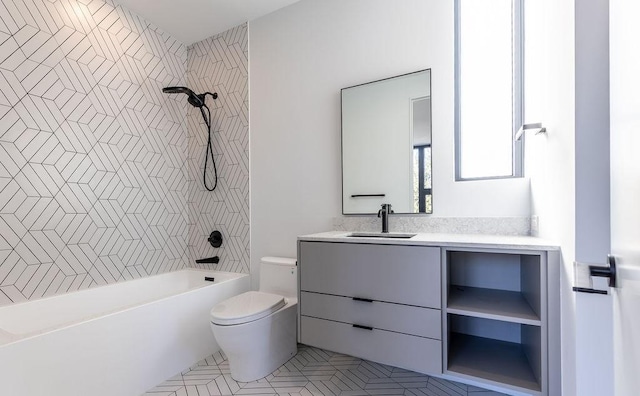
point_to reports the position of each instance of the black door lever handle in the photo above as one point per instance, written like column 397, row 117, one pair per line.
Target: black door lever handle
column 605, row 272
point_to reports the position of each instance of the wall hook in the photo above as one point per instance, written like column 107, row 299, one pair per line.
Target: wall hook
column 537, row 125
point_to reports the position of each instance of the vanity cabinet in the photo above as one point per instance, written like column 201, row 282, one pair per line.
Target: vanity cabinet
column 377, row 302
column 477, row 309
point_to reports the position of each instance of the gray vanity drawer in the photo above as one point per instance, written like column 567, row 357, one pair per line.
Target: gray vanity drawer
column 399, row 274
column 419, row 354
column 423, row 322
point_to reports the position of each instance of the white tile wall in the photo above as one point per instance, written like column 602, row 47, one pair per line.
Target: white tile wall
column 93, row 174
column 219, row 64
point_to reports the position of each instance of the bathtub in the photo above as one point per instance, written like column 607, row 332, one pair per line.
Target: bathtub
column 115, row 340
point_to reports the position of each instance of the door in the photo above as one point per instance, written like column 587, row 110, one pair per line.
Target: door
column 625, row 190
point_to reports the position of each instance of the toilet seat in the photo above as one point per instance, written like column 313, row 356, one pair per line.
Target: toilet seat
column 246, row 307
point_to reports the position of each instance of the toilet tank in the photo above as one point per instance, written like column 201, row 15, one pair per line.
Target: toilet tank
column 279, row 275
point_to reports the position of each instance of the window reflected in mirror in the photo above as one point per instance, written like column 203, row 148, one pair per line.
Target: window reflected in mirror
column 422, row 179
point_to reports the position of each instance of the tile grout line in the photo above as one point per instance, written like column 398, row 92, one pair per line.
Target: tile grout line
column 291, row 378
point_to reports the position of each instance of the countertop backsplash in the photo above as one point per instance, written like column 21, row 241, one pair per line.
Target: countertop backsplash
column 446, row 225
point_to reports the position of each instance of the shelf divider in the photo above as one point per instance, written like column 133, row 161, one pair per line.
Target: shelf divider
column 504, row 305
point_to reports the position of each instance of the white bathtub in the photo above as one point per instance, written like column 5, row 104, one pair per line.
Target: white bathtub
column 115, row 340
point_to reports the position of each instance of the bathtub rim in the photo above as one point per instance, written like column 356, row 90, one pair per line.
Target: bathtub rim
column 8, row 338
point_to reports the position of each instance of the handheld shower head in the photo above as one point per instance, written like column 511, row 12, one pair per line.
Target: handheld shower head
column 194, row 99
column 199, row 101
column 178, row 90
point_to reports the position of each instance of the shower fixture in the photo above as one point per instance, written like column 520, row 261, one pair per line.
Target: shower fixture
column 193, row 99
column 198, row 101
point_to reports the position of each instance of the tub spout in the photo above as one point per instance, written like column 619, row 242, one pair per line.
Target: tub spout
column 209, row 260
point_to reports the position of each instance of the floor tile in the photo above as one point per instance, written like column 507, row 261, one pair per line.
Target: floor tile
column 312, row 372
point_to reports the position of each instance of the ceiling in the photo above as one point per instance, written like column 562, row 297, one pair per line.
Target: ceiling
column 193, row 20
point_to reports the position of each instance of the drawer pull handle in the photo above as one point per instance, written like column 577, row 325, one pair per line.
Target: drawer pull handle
column 362, row 327
column 362, row 299
column 366, row 195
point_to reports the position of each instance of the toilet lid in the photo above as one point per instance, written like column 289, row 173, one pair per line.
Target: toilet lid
column 246, row 307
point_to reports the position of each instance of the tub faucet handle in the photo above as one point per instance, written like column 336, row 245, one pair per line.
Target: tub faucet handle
column 215, row 239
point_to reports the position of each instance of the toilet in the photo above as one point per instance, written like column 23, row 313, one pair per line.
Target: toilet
column 257, row 329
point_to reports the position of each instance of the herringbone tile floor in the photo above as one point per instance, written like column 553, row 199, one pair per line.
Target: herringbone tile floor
column 312, row 371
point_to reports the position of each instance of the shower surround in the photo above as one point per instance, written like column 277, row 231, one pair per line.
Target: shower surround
column 219, row 64
column 94, row 178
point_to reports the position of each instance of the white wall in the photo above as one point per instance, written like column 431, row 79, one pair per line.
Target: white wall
column 300, row 58
column 551, row 159
column 625, row 190
column 569, row 171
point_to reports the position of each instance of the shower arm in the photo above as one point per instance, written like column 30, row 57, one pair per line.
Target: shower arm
column 202, row 97
column 214, row 95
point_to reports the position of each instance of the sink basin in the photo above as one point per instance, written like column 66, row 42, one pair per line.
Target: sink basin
column 380, row 235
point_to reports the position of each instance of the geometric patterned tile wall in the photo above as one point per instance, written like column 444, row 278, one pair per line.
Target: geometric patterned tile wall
column 220, row 64
column 93, row 176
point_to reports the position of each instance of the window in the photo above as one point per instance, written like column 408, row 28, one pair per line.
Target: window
column 422, row 179
column 488, row 88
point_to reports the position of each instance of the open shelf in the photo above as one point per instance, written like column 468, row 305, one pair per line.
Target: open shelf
column 503, row 305
column 494, row 360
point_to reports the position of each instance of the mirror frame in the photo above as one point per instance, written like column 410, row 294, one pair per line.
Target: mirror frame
column 342, row 187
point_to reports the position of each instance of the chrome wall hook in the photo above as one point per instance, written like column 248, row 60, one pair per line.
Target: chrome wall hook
column 525, row 127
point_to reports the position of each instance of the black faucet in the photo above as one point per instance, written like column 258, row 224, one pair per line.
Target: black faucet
column 384, row 213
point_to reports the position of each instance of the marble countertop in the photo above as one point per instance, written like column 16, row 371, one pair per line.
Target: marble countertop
column 442, row 240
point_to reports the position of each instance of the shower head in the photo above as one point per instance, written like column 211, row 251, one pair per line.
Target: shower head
column 178, row 90
column 198, row 101
column 194, row 99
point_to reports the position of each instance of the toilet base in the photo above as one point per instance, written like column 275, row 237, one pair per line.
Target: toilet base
column 256, row 349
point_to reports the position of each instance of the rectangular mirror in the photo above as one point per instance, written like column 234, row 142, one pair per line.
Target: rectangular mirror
column 386, row 145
